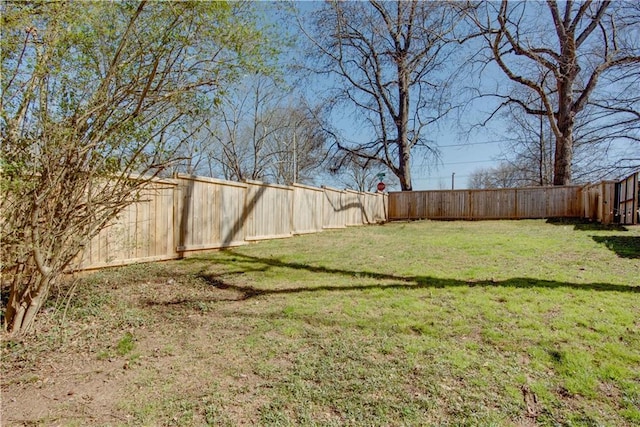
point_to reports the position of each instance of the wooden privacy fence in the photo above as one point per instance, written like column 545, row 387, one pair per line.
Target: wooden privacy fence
column 209, row 213
column 191, row 213
column 604, row 202
column 510, row 203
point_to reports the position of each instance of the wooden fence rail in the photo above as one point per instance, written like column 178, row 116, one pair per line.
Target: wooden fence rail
column 174, row 217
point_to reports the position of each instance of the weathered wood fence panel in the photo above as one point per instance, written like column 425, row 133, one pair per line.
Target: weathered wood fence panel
column 429, row 205
column 598, row 202
column 493, row 204
column 512, row 203
column 628, row 204
column 565, row 201
column 531, row 203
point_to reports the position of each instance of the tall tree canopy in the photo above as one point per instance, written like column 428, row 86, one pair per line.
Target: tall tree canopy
column 93, row 92
column 386, row 60
column 572, row 58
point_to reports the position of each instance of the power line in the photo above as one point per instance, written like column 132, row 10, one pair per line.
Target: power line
column 472, row 143
column 471, row 161
column 440, row 177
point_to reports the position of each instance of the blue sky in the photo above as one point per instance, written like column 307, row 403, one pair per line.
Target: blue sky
column 462, row 150
column 459, row 159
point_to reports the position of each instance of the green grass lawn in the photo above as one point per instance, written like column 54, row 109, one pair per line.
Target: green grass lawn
column 421, row 323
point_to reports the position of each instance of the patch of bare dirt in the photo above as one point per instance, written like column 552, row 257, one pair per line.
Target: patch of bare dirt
column 74, row 371
column 56, row 390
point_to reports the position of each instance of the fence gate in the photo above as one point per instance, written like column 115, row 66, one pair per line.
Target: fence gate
column 628, row 193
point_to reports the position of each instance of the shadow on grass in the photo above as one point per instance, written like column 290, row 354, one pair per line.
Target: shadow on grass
column 580, row 224
column 623, row 246
column 245, row 292
column 596, row 226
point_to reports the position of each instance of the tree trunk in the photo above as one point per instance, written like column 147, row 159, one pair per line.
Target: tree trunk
column 562, row 163
column 24, row 318
column 402, row 126
column 26, row 300
column 564, row 137
column 565, row 117
column 405, row 169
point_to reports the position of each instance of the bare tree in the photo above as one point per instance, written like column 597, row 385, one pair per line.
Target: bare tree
column 502, row 176
column 527, row 153
column 387, row 60
column 96, row 99
column 263, row 132
column 297, row 146
column 598, row 148
column 365, row 176
column 237, row 140
column 563, row 53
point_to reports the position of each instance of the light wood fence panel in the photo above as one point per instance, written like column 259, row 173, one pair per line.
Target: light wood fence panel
column 375, row 208
column 232, row 215
column 307, row 208
column 382, row 210
column 334, row 210
column 193, row 213
column 209, row 213
column 353, row 205
column 369, row 208
column 268, row 211
column 143, row 231
column 520, row 203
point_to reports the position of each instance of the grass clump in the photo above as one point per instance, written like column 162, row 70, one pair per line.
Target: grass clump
column 125, row 345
